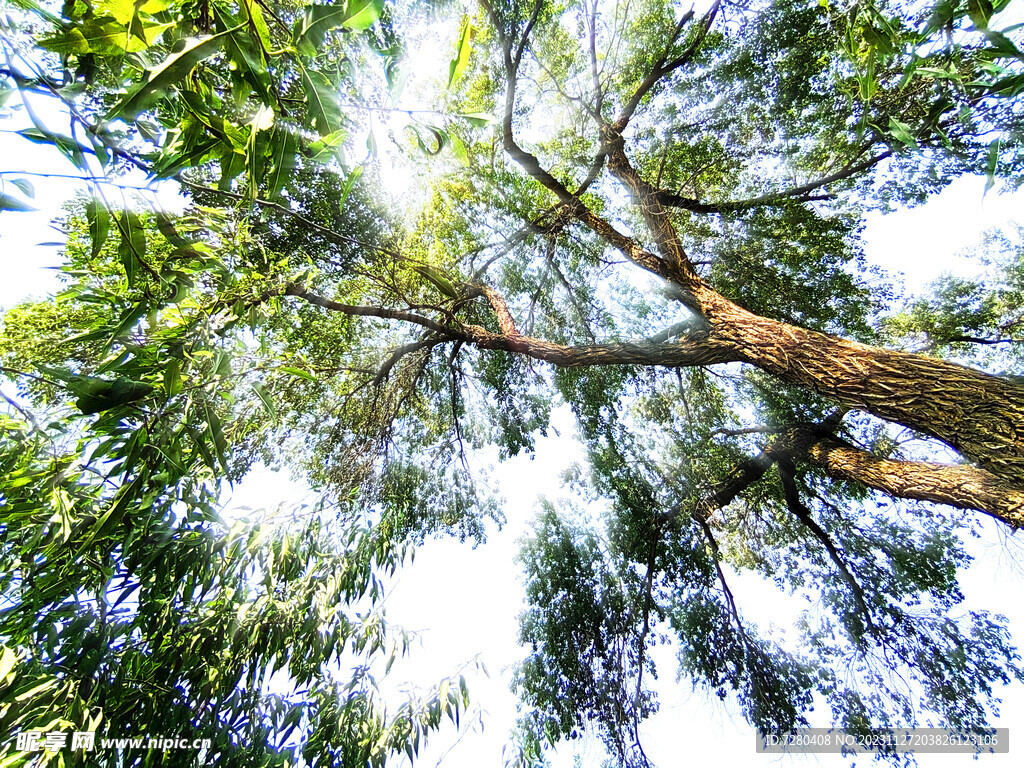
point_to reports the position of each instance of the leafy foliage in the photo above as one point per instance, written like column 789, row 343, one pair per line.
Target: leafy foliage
column 299, row 313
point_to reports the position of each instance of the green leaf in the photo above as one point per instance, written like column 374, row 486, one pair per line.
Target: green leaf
column 71, row 149
column 132, row 248
column 98, row 217
column 250, row 65
column 220, row 443
column 349, row 185
column 991, row 164
column 980, row 12
column 8, row 203
column 1002, row 45
column 362, row 14
column 265, row 398
column 172, row 378
column 321, row 102
column 102, row 394
column 174, row 68
column 121, row 10
column 298, row 372
column 182, row 247
column 283, row 147
column 462, row 51
column 317, row 21
column 901, row 131
column 459, row 150
column 440, row 137
column 329, row 146
column 255, row 16
column 25, row 186
column 1008, row 87
column 8, row 658
column 437, row 278
column 476, row 119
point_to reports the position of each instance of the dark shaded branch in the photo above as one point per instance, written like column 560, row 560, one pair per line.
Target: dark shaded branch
column 398, row 354
column 748, row 472
column 741, row 477
column 664, row 67
column 648, row 599
column 594, row 74
column 958, row 339
column 716, row 556
column 799, row 194
column 799, row 510
column 364, row 311
column 670, row 200
column 525, row 37
column 747, row 431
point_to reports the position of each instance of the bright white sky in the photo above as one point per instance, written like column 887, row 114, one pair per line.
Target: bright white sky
column 464, row 602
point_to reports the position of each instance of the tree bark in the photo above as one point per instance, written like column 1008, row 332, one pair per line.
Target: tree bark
column 979, row 415
column 957, row 485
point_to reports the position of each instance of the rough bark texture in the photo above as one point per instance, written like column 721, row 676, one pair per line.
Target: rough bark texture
column 957, row 485
column 978, row 415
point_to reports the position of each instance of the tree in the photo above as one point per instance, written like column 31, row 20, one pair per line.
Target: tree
column 690, row 181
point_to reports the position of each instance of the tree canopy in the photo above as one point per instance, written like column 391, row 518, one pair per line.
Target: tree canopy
column 644, row 211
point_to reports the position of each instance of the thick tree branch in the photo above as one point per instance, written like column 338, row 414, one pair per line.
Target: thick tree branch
column 674, row 265
column 698, row 348
column 957, row 485
column 497, row 302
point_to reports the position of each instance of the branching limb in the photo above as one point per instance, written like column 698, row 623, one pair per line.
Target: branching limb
column 529, row 163
column 664, row 67
column 803, row 514
column 364, row 311
column 801, row 193
column 698, row 348
column 398, row 354
column 957, row 485
column 500, row 307
column 674, row 264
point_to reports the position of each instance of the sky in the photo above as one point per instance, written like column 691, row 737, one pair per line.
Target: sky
column 463, row 602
